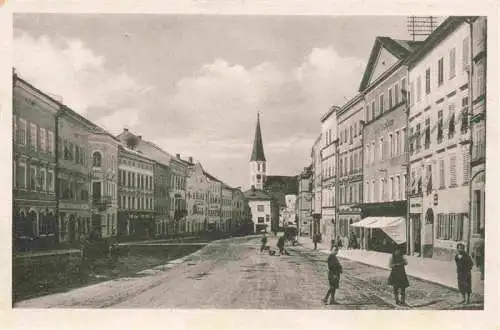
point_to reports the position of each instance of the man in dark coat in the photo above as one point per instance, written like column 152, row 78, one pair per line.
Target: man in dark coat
column 281, row 244
column 263, row 242
column 334, row 271
column 464, row 265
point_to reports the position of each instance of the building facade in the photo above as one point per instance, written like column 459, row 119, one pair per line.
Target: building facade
column 136, row 216
column 34, row 165
column 317, row 192
column 349, row 179
column 214, row 207
column 478, row 130
column 439, row 139
column 74, row 175
column 104, row 185
column 305, row 203
column 226, row 208
column 328, row 155
column 197, row 188
column 241, row 211
column 260, row 208
column 385, row 86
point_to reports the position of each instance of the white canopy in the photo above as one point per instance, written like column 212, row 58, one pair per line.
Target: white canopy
column 394, row 227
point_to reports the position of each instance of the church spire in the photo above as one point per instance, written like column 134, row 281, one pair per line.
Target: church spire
column 258, row 148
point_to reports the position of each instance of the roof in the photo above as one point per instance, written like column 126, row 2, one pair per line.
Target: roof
column 284, row 184
column 399, row 48
column 256, row 195
column 449, row 25
column 211, row 177
column 327, row 115
column 258, row 148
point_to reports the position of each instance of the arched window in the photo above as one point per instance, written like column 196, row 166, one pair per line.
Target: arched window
column 96, row 159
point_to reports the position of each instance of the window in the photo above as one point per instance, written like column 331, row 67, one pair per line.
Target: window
column 403, row 187
column 419, row 89
column 43, row 138
column 390, row 98
column 350, row 135
column 403, row 88
column 427, row 81
column 260, row 208
column 391, row 145
column 372, row 191
column 396, row 94
column 427, row 142
column 50, row 180
column 23, row 131
column 466, row 51
column 464, row 120
column 33, row 137
column 453, row 171
column 440, row 72
column 452, row 63
column 391, row 189
column 381, row 190
column 372, row 156
column 398, row 188
column 451, row 122
column 381, row 103
column 345, row 135
column 441, row 173
column 21, row 175
column 355, row 129
column 41, row 180
column 480, row 77
column 355, row 161
column 412, row 140
column 398, row 143
column 367, row 113
column 373, row 110
column 440, row 127
column 33, row 177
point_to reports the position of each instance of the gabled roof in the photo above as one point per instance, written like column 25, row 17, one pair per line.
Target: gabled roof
column 211, row 177
column 398, row 48
column 258, row 148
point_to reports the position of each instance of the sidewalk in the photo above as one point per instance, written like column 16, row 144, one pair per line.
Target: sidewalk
column 431, row 270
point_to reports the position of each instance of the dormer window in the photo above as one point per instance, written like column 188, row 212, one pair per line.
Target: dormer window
column 96, row 159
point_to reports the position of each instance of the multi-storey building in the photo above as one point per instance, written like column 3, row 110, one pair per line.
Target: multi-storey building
column 440, row 139
column 478, row 119
column 161, row 198
column 104, row 187
column 260, row 209
column 136, row 216
column 316, row 186
column 349, row 178
column 328, row 152
column 196, row 198
column 214, row 202
column 74, row 174
column 384, row 86
column 304, row 203
column 241, row 211
column 178, row 211
column 226, row 208
column 34, row 162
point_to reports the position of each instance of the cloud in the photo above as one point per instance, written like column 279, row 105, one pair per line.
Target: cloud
column 68, row 68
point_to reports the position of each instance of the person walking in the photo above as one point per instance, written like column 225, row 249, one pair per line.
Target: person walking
column 263, row 242
column 397, row 277
column 464, row 265
column 281, row 244
column 339, row 242
column 315, row 241
column 334, row 271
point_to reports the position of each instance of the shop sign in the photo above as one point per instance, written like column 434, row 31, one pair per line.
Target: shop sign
column 415, row 205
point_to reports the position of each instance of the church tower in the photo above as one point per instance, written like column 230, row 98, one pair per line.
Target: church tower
column 257, row 160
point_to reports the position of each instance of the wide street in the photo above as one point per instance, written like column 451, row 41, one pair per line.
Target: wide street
column 233, row 274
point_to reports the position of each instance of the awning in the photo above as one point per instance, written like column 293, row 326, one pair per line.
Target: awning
column 394, row 227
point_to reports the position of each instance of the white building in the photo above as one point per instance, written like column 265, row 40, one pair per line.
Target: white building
column 439, row 139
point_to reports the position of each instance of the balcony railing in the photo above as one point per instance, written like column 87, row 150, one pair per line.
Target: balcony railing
column 101, row 202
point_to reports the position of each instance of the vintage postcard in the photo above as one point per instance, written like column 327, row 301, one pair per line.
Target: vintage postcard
column 306, row 161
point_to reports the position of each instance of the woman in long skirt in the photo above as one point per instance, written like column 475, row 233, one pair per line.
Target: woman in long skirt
column 334, row 271
column 397, row 277
column 464, row 266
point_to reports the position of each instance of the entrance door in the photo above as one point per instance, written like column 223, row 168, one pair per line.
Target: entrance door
column 72, row 228
column 429, row 233
column 417, row 233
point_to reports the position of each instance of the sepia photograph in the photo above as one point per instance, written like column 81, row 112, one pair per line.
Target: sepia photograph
column 257, row 162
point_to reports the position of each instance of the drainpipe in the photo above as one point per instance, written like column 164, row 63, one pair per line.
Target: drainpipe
column 470, row 73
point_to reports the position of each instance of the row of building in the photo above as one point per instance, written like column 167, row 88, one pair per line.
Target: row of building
column 71, row 178
column 404, row 159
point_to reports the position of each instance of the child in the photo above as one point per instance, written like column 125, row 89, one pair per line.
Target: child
column 398, row 278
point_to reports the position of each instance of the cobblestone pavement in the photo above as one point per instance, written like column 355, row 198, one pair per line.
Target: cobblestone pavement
column 233, row 274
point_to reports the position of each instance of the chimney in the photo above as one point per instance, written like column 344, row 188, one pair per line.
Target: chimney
column 178, row 156
column 190, row 159
column 125, row 130
column 139, row 139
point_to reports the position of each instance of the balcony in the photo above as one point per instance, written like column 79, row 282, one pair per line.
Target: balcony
column 101, row 203
column 478, row 152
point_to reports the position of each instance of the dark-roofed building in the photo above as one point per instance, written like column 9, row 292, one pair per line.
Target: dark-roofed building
column 278, row 187
column 260, row 208
column 382, row 165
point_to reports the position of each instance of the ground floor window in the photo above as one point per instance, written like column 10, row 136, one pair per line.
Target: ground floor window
column 450, row 226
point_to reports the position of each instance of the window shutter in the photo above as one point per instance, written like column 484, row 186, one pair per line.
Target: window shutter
column 466, row 165
column 453, row 172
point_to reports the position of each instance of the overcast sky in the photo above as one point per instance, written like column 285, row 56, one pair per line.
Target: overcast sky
column 194, row 84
